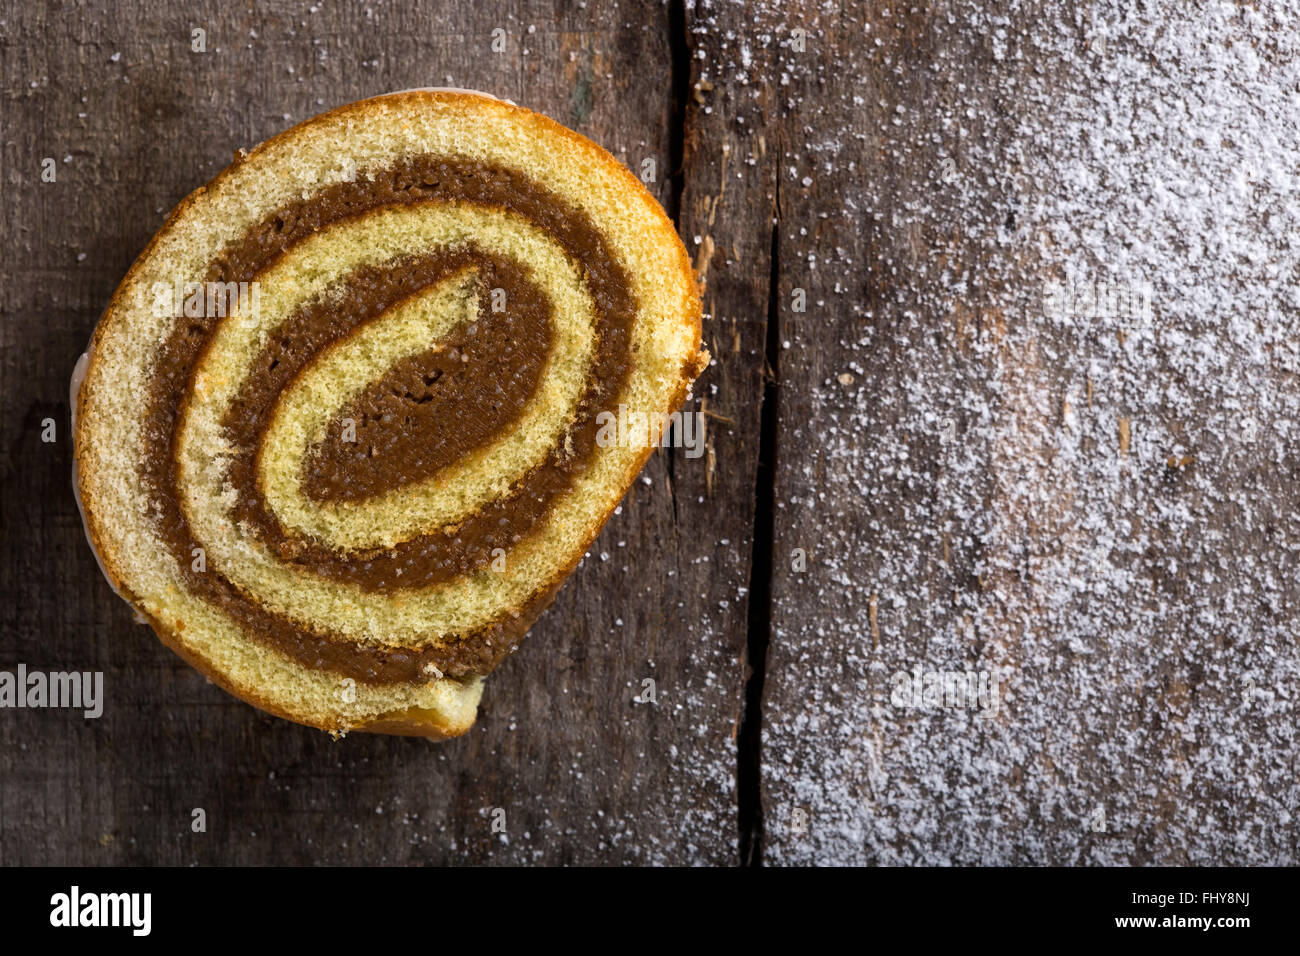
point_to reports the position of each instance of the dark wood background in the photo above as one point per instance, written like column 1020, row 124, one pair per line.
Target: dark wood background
column 753, row 751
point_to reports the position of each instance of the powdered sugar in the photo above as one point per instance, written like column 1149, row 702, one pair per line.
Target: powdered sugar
column 1096, row 508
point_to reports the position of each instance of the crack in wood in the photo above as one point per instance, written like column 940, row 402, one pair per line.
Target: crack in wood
column 749, row 742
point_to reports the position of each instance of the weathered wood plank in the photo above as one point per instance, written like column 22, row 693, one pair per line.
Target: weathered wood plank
column 1097, row 512
column 726, row 219
column 1093, row 510
column 584, row 774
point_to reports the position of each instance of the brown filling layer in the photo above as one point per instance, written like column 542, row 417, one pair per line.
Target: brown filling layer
column 420, row 417
column 459, row 401
column 432, row 409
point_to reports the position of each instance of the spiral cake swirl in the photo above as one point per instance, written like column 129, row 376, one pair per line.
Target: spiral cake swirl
column 346, row 491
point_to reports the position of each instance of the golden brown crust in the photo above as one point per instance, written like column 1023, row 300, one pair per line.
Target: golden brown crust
column 424, row 723
column 412, row 721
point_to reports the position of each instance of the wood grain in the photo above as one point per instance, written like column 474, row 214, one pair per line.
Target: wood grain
column 136, row 120
column 908, row 464
column 963, row 473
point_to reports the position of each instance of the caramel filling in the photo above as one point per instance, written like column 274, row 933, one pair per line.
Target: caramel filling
column 428, row 411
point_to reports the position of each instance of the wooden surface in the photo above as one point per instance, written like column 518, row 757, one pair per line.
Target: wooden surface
column 813, row 165
column 584, row 774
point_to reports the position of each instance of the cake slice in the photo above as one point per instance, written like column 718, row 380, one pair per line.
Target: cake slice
column 342, row 432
